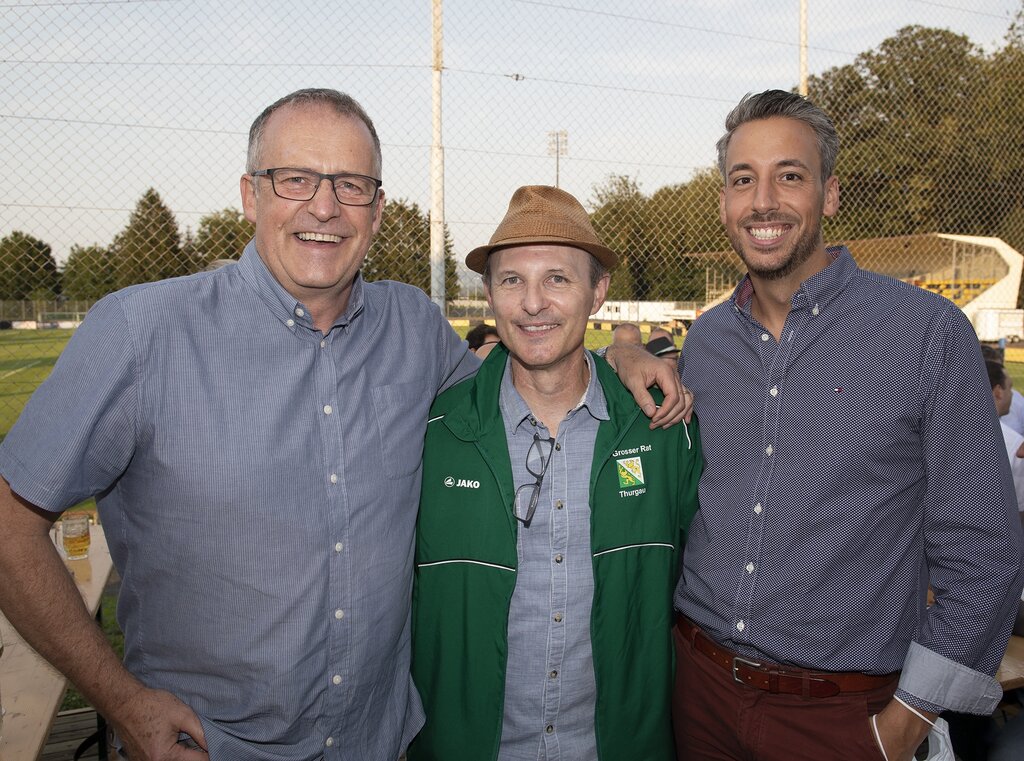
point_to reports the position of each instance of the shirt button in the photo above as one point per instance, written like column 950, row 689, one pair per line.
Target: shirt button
column 339, row 614
column 338, row 547
column 558, row 558
column 328, row 409
column 774, row 391
column 336, row 679
column 329, row 742
column 323, row 343
column 558, row 447
column 553, row 674
column 549, row 729
column 558, row 618
column 740, row 625
column 299, row 312
column 334, row 478
column 559, row 504
column 750, row 567
column 815, row 310
column 757, row 508
column 765, row 336
column 769, row 450
column 533, row 421
column 290, row 323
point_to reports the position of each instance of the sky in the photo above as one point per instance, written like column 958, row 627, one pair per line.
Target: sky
column 104, row 99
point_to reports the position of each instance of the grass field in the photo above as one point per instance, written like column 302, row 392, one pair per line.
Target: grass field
column 26, row 358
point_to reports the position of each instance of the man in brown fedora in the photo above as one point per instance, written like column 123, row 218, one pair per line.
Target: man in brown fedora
column 548, row 541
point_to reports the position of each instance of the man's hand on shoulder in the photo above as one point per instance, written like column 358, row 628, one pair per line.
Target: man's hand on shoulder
column 149, row 722
column 638, row 370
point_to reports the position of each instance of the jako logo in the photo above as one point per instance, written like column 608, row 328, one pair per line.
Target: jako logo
column 461, row 483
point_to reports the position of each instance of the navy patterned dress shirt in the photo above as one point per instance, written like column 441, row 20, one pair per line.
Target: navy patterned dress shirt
column 849, row 465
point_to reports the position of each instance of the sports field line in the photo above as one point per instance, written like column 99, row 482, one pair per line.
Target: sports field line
column 9, row 373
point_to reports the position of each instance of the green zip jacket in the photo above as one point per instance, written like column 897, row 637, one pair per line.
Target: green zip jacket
column 466, row 571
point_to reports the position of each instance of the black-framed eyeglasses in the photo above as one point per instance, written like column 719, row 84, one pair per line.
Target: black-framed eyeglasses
column 302, row 184
column 528, row 495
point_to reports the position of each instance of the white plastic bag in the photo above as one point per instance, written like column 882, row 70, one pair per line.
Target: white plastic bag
column 940, row 748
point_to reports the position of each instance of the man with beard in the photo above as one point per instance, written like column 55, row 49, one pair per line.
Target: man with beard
column 852, row 458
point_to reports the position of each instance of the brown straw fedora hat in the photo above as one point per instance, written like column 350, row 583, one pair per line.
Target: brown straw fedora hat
column 542, row 214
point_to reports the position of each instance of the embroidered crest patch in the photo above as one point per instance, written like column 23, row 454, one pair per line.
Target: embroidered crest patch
column 631, row 472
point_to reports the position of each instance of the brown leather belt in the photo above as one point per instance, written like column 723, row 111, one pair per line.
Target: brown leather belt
column 774, row 678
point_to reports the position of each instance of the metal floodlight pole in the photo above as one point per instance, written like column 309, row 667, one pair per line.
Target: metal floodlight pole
column 803, row 48
column 558, row 146
column 437, row 278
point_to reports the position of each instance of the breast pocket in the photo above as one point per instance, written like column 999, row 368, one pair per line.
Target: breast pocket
column 401, row 410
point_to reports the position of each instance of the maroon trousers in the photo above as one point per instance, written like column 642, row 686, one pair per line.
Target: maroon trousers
column 716, row 718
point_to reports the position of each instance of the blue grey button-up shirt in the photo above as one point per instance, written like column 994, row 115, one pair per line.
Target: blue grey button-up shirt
column 847, row 466
column 258, row 481
column 550, row 690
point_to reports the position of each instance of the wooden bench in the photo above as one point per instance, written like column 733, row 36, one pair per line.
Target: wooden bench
column 30, row 687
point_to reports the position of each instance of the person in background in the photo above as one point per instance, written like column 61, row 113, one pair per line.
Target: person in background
column 626, row 333
column 657, row 332
column 256, row 461
column 1014, row 416
column 482, row 339
column 1002, row 393
column 548, row 542
column 850, row 445
column 664, row 348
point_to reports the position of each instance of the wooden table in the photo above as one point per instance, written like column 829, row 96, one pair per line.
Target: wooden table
column 1011, row 670
column 31, row 688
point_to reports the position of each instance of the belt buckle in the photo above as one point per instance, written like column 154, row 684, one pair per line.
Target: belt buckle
column 736, row 661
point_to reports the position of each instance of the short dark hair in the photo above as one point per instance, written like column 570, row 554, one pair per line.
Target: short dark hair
column 996, row 373
column 342, row 104
column 764, row 105
column 477, row 336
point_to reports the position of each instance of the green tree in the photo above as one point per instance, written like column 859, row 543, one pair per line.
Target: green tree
column 149, row 247
column 27, row 268
column 915, row 156
column 1003, row 100
column 401, row 249
column 221, row 235
column 684, row 222
column 88, row 273
column 620, row 220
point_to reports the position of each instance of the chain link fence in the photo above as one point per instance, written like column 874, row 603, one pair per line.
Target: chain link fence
column 125, row 122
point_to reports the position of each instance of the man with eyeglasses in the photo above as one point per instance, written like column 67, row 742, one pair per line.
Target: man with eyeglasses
column 257, row 464
column 552, row 521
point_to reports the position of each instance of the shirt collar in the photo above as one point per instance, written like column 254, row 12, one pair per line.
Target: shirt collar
column 516, row 413
column 286, row 307
column 817, row 290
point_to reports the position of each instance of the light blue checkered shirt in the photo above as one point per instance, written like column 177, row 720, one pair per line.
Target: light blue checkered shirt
column 549, row 679
column 259, row 484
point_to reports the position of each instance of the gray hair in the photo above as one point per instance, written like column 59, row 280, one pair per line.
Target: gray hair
column 764, row 105
column 342, row 104
column 597, row 270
